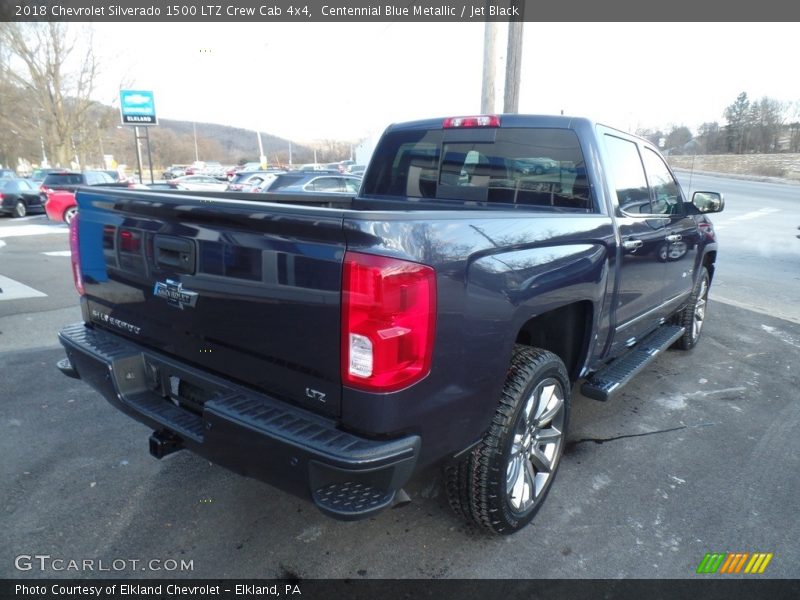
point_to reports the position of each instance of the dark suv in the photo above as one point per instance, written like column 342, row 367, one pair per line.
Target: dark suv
column 70, row 180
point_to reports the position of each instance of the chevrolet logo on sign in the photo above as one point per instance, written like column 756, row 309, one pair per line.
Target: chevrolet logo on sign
column 174, row 294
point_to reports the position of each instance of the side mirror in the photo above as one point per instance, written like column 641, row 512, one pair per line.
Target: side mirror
column 708, row 202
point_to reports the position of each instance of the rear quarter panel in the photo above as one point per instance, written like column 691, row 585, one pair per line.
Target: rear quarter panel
column 494, row 273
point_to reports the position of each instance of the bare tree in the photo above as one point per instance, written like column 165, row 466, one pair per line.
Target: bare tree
column 767, row 118
column 711, row 138
column 678, row 137
column 57, row 76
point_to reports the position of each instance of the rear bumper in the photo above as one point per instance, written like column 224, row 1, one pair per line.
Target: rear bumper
column 346, row 476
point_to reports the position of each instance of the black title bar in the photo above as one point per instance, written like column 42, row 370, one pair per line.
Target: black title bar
column 705, row 587
column 338, row 11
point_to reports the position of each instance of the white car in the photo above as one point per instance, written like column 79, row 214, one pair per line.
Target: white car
column 198, row 183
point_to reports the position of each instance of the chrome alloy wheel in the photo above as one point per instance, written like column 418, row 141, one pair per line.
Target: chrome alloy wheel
column 536, row 446
column 700, row 309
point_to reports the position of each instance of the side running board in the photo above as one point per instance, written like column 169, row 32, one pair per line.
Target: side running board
column 606, row 381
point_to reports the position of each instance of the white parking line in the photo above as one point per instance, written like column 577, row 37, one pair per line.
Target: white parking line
column 755, row 214
column 58, row 253
column 25, row 230
column 761, row 212
column 14, row 290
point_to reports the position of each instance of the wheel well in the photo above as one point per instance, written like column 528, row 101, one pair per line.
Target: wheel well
column 563, row 331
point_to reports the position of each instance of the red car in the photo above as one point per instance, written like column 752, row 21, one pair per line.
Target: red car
column 60, row 206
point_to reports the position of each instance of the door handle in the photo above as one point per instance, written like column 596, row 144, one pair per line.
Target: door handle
column 674, row 237
column 632, row 244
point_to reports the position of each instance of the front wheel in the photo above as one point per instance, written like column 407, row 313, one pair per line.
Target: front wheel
column 693, row 315
column 503, row 482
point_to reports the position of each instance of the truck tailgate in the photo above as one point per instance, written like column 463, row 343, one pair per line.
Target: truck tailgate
column 249, row 291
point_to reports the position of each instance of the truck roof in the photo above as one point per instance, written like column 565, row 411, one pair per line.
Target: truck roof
column 506, row 120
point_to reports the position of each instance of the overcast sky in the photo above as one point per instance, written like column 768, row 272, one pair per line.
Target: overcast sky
column 315, row 81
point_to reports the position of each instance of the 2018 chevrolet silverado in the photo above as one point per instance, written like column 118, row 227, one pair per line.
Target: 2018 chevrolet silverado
column 334, row 346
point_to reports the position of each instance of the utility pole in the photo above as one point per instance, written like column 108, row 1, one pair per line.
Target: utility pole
column 487, row 91
column 261, row 158
column 194, row 128
column 513, row 65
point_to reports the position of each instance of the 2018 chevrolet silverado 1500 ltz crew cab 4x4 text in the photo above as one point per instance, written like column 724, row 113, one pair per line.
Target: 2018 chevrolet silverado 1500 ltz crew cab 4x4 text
column 334, row 346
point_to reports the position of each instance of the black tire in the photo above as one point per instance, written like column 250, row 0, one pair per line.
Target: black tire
column 20, row 210
column 503, row 482
column 70, row 213
column 457, row 485
column 693, row 315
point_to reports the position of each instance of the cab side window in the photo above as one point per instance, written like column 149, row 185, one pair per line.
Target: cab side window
column 667, row 196
column 629, row 179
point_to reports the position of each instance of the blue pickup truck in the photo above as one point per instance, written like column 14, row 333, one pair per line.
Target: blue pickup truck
column 334, row 346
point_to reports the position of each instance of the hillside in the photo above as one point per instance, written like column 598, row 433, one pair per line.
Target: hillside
column 232, row 144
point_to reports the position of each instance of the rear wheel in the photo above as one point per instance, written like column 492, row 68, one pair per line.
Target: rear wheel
column 20, row 210
column 502, row 483
column 693, row 316
column 69, row 214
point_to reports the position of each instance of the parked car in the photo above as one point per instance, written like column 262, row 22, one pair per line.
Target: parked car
column 216, row 170
column 8, row 174
column 70, row 180
column 315, row 181
column 356, row 170
column 61, row 206
column 18, row 196
column 117, row 176
column 534, row 165
column 58, row 197
column 38, row 175
column 198, row 183
column 251, row 181
column 174, row 171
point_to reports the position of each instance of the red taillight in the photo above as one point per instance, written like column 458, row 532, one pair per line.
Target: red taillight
column 474, row 121
column 388, row 322
column 75, row 251
column 706, row 229
column 130, row 241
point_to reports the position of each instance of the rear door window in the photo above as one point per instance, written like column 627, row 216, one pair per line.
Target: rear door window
column 539, row 168
column 667, row 197
column 628, row 172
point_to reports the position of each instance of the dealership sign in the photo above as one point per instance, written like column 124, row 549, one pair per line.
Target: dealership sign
column 137, row 107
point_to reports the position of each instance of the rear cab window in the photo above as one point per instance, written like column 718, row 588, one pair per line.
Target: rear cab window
column 63, row 179
column 528, row 168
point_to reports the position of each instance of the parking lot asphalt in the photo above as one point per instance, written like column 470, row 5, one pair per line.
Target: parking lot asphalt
column 698, row 454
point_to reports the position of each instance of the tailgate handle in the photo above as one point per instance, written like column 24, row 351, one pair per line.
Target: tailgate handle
column 175, row 253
